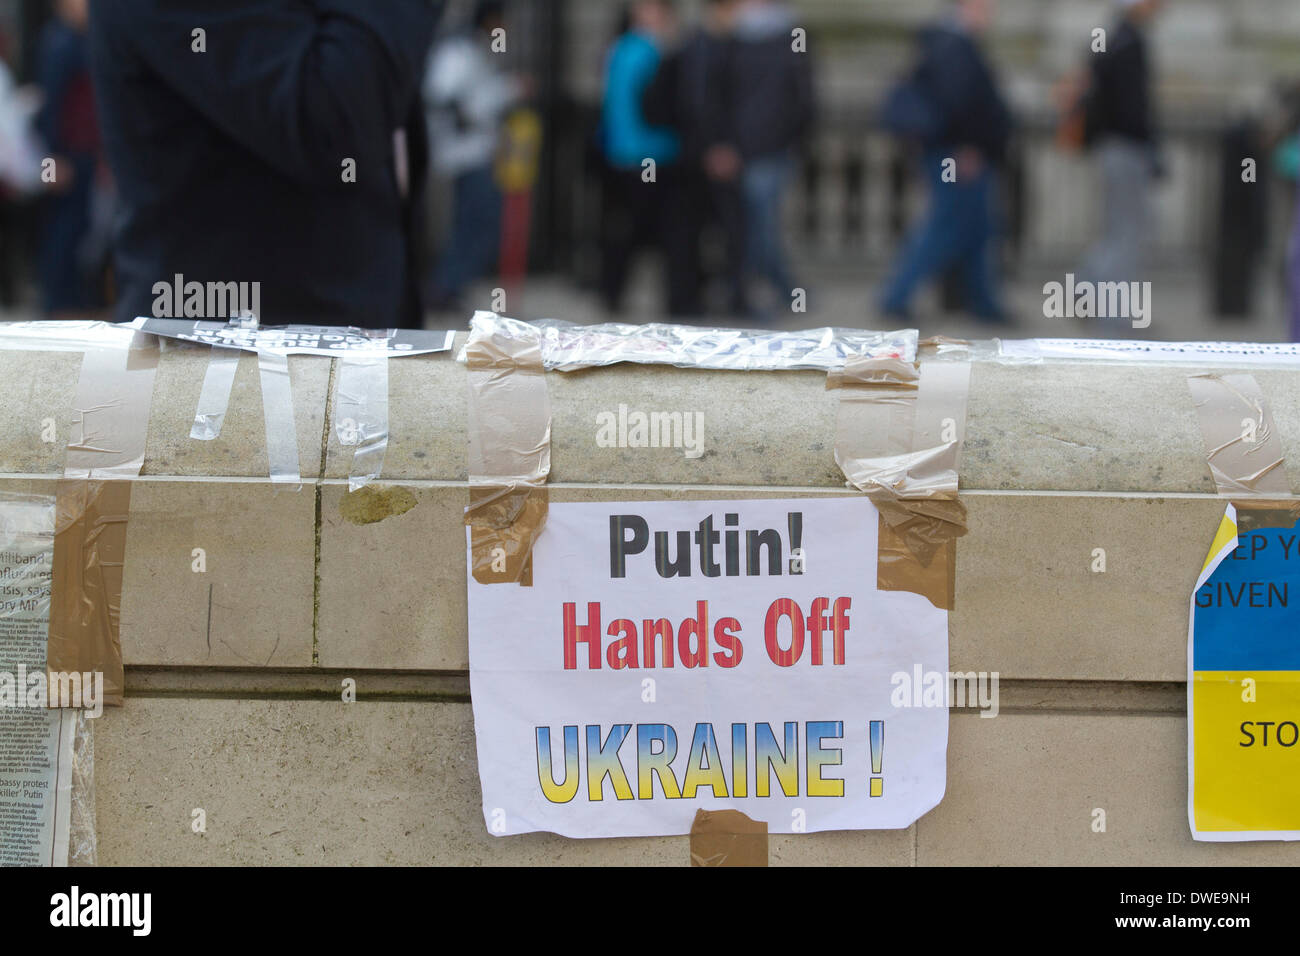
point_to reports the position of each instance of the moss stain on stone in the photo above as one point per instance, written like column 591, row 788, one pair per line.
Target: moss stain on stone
column 370, row 505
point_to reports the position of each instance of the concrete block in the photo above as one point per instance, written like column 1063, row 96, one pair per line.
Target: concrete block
column 37, row 386
column 1030, row 606
column 286, row 782
column 252, row 607
column 1022, row 790
column 240, row 450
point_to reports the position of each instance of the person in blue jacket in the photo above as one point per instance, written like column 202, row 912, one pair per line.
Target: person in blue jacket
column 642, row 182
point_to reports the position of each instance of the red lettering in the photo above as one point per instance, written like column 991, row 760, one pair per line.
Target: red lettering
column 784, row 607
column 575, row 634
column 728, row 641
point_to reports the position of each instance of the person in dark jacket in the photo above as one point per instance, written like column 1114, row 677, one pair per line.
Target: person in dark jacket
column 773, row 113
column 1121, row 129
column 66, row 124
column 961, row 161
column 268, row 141
column 694, row 94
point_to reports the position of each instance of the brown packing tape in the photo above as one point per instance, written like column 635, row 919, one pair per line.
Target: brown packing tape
column 85, row 603
column 1242, row 445
column 898, row 568
column 727, row 838
column 1253, row 515
column 509, row 450
column 504, row 523
column 92, row 506
column 898, row 438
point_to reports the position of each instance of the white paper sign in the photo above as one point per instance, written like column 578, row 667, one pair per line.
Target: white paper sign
column 672, row 656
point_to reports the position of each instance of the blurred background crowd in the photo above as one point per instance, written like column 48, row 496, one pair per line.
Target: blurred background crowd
column 843, row 162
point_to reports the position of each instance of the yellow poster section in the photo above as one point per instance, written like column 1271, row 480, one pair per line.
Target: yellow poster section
column 1247, row 756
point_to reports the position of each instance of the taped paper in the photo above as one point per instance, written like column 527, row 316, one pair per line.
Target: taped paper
column 110, row 425
column 36, row 742
column 1241, row 442
column 727, row 838
column 1185, row 353
column 673, row 656
column 214, row 398
column 298, row 339
column 899, row 434
column 567, row 347
column 509, row 421
column 361, row 412
column 1243, row 681
column 277, row 409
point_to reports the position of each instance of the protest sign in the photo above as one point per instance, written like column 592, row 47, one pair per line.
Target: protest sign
column 1243, row 685
column 684, row 655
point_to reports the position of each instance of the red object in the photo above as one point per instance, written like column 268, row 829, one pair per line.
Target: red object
column 516, row 221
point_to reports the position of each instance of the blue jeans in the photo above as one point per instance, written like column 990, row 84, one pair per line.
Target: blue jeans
column 764, row 183
column 959, row 230
column 474, row 245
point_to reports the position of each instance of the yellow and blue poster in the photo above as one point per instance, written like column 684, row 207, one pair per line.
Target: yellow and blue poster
column 1243, row 685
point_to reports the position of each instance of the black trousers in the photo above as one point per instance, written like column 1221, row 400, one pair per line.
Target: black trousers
column 639, row 215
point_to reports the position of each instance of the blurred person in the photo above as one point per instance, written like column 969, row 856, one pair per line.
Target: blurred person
column 20, row 170
column 468, row 95
column 1286, row 161
column 272, row 141
column 773, row 113
column 1120, row 127
column 637, row 212
column 67, row 127
column 695, row 94
column 959, row 115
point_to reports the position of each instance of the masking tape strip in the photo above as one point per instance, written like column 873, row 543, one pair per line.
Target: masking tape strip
column 1242, row 445
column 214, row 398
column 509, row 419
column 92, row 504
column 277, row 409
column 361, row 413
column 899, row 433
column 727, row 838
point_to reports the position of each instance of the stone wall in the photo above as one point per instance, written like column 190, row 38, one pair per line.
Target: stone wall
column 234, row 675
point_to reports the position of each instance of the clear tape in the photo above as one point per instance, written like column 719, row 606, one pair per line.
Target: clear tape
column 567, row 347
column 112, row 404
column 65, row 336
column 214, row 398
column 509, row 455
column 1242, row 445
column 898, row 438
column 361, row 413
column 277, row 409
column 83, row 842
